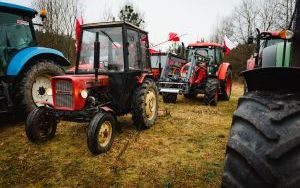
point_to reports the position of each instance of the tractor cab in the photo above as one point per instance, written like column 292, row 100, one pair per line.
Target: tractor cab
column 117, row 50
column 213, row 51
column 16, row 31
column 267, row 41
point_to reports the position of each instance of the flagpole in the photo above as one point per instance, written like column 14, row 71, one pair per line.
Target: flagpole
column 167, row 41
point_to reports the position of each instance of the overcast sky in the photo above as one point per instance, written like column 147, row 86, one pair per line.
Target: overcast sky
column 196, row 18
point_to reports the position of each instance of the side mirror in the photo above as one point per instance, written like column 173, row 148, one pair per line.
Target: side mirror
column 250, row 40
column 43, row 14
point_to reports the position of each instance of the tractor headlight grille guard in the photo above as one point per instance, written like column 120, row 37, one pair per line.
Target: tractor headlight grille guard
column 64, row 94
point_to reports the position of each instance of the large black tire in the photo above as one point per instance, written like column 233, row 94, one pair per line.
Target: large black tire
column 145, row 105
column 264, row 144
column 211, row 92
column 24, row 88
column 226, row 86
column 169, row 97
column 107, row 122
column 40, row 126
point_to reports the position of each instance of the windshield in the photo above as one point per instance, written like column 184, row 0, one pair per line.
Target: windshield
column 155, row 59
column 111, row 50
column 270, row 42
column 15, row 34
column 206, row 52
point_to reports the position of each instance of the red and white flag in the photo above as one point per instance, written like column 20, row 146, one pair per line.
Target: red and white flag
column 174, row 37
column 228, row 45
column 79, row 22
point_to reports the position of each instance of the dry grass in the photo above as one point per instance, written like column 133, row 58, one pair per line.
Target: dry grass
column 183, row 149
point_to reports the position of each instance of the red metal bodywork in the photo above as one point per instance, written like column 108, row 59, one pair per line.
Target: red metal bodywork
column 143, row 76
column 79, row 83
column 222, row 71
column 199, row 73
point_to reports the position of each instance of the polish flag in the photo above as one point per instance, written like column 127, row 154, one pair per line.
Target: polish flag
column 228, row 45
column 78, row 23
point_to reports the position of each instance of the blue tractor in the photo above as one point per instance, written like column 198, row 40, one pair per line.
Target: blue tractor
column 25, row 68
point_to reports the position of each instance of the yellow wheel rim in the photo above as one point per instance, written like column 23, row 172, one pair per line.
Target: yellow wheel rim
column 105, row 134
column 150, row 104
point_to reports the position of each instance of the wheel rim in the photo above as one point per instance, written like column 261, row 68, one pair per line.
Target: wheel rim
column 39, row 88
column 105, row 134
column 228, row 86
column 150, row 104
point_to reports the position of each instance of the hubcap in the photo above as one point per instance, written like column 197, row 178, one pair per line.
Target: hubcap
column 105, row 134
column 39, row 87
column 150, row 104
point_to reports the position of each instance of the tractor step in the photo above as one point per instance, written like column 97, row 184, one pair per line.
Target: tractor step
column 170, row 90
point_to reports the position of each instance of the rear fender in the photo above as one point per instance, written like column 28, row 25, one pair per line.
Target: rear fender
column 221, row 73
column 24, row 57
column 143, row 77
column 273, row 79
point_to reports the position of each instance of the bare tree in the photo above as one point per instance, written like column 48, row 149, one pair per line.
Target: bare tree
column 285, row 13
column 268, row 14
column 224, row 27
column 107, row 14
column 59, row 27
column 245, row 19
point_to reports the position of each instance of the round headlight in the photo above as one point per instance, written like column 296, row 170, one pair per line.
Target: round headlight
column 84, row 93
column 49, row 91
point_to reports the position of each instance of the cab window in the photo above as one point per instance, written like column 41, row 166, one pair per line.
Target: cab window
column 133, row 50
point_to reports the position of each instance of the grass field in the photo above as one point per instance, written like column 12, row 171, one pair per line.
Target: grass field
column 185, row 148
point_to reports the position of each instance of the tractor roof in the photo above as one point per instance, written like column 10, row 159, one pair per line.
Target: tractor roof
column 111, row 24
column 205, row 44
column 17, row 9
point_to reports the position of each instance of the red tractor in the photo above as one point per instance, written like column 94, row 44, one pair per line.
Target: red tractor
column 112, row 78
column 204, row 73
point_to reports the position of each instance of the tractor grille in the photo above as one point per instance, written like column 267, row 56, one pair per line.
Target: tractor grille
column 64, row 97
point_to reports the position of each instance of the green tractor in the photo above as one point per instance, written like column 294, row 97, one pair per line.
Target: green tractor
column 263, row 149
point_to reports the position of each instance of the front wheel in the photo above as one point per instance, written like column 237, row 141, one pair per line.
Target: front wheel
column 263, row 149
column 145, row 105
column 101, row 133
column 211, row 92
column 40, row 125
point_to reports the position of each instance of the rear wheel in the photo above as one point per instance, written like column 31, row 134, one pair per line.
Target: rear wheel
column 145, row 105
column 40, row 125
column 211, row 92
column 169, row 97
column 226, row 86
column 101, row 133
column 264, row 143
column 33, row 87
